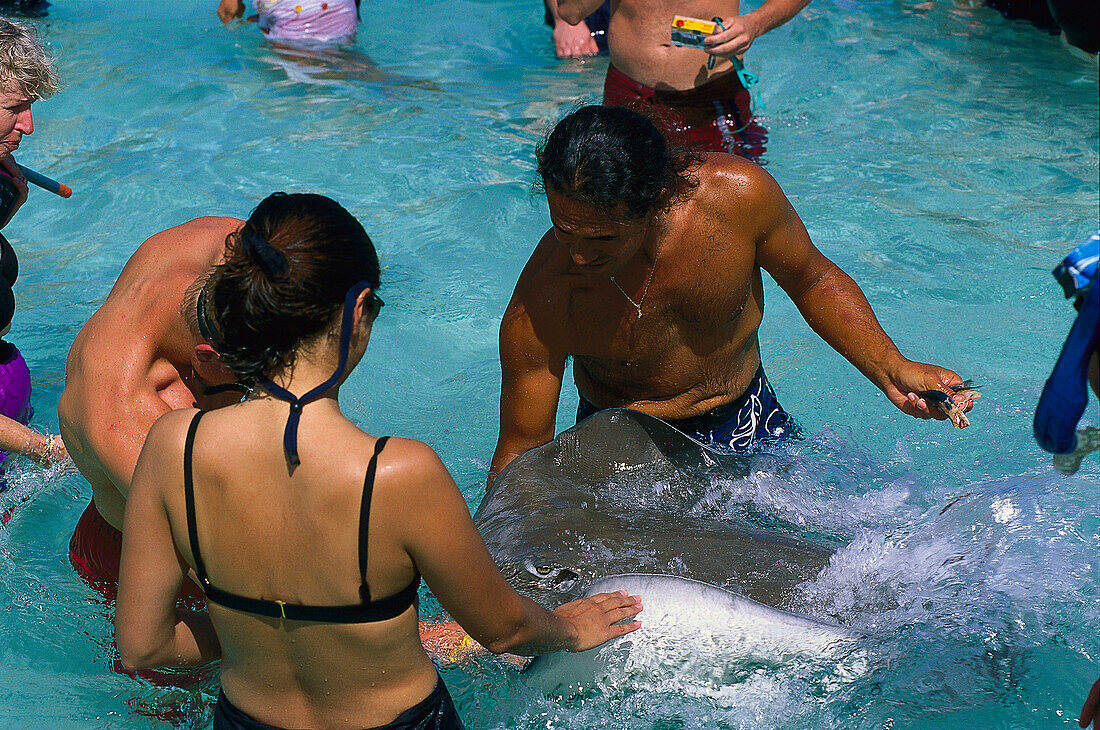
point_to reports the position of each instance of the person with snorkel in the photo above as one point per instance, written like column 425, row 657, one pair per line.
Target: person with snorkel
column 26, row 75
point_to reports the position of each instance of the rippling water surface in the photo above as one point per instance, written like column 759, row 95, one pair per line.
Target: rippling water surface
column 943, row 156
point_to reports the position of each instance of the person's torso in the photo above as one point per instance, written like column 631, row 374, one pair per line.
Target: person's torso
column 267, row 534
column 695, row 345
column 640, row 45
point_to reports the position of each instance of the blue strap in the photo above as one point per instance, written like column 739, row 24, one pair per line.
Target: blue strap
column 710, row 61
column 747, row 78
column 290, row 434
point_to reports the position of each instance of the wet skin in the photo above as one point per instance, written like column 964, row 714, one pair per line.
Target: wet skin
column 136, row 359
column 695, row 347
column 639, row 37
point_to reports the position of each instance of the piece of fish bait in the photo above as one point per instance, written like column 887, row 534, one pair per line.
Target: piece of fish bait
column 954, row 406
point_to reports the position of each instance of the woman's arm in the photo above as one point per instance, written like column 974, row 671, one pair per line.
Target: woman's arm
column 149, row 630
column 16, row 438
column 442, row 540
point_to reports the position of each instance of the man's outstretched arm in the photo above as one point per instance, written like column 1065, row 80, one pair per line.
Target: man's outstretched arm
column 530, row 386
column 836, row 308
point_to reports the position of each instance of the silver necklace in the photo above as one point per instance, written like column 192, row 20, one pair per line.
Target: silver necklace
column 645, row 290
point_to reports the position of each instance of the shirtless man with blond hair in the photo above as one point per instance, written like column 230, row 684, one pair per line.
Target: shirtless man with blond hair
column 650, row 279
column 138, row 357
column 702, row 87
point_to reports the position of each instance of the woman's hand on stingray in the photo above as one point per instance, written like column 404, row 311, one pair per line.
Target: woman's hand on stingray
column 595, row 620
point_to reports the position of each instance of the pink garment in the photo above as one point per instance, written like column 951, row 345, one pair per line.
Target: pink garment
column 307, row 20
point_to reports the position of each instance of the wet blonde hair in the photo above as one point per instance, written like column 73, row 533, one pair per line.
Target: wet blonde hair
column 24, row 61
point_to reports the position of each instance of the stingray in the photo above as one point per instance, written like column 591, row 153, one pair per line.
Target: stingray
column 690, row 631
column 621, row 492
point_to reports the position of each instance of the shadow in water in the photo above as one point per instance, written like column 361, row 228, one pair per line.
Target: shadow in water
column 328, row 65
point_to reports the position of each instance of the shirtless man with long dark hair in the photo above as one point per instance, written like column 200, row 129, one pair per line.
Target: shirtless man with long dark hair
column 650, row 279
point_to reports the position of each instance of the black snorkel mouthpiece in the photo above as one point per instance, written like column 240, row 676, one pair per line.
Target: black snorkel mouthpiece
column 290, row 434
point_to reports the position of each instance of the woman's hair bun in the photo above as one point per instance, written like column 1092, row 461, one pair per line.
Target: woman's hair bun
column 285, row 276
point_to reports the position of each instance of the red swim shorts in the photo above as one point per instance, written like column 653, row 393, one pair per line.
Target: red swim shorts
column 95, row 551
column 716, row 117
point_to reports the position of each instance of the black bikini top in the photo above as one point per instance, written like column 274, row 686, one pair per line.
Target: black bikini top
column 368, row 610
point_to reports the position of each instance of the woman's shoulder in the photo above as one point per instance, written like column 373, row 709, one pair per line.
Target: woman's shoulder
column 158, row 461
column 406, row 455
column 411, row 463
column 170, row 429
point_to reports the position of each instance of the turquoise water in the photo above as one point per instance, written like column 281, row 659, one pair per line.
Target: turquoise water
column 943, row 156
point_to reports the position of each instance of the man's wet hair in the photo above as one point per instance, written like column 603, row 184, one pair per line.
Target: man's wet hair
column 284, row 280
column 24, row 61
column 617, row 160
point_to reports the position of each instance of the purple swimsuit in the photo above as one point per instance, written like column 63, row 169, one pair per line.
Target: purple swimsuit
column 15, row 388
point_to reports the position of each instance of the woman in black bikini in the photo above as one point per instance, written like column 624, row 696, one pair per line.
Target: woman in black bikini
column 308, row 535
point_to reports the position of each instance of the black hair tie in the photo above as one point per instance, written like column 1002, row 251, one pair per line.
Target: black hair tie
column 271, row 260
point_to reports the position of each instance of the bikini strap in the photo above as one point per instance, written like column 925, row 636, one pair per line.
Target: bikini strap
column 189, row 498
column 290, row 433
column 364, row 516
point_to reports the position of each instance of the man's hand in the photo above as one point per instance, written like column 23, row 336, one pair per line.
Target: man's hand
column 595, row 620
column 909, row 378
column 573, row 41
column 12, row 170
column 739, row 34
column 230, row 10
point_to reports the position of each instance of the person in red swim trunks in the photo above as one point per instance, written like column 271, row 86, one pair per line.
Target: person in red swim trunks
column 701, row 87
column 139, row 356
